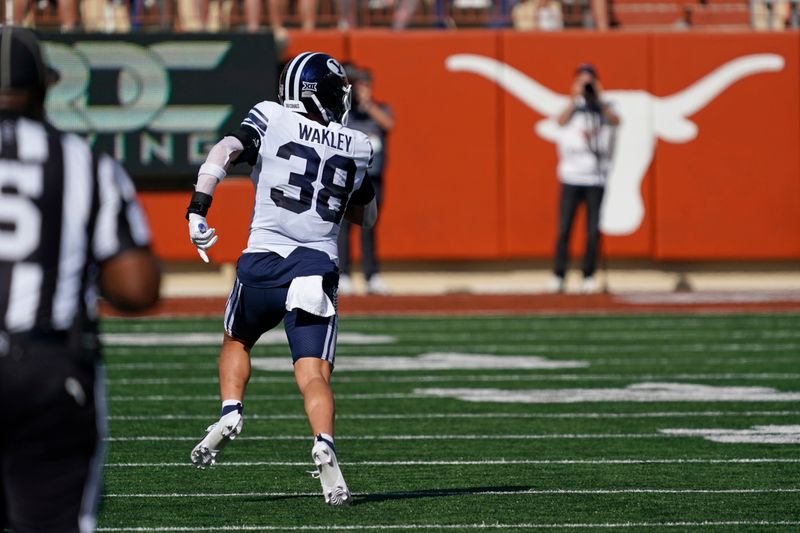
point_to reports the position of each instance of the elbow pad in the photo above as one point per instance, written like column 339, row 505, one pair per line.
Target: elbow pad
column 251, row 142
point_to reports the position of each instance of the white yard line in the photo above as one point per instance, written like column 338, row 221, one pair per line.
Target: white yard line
column 591, row 348
column 251, row 397
column 544, row 436
column 645, row 335
column 721, row 335
column 435, row 416
column 273, row 337
column 542, row 462
column 431, row 361
column 638, row 359
column 278, row 337
column 669, row 361
column 643, row 392
column 548, row 322
column 415, row 527
column 560, row 348
column 457, row 492
column 470, row 378
column 160, row 366
column 760, row 434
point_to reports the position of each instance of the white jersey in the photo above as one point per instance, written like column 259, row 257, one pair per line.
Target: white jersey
column 585, row 145
column 304, row 175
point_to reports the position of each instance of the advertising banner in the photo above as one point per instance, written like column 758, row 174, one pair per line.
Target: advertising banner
column 157, row 102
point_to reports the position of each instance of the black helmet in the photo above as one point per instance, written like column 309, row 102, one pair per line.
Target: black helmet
column 316, row 83
column 21, row 62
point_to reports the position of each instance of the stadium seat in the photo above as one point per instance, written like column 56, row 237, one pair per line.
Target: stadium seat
column 721, row 15
column 649, row 15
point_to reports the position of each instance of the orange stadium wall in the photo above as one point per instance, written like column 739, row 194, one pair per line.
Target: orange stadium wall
column 708, row 164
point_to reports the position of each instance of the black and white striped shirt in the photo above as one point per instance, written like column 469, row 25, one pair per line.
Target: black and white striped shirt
column 63, row 211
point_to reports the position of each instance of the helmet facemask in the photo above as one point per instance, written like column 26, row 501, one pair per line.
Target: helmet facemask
column 347, row 103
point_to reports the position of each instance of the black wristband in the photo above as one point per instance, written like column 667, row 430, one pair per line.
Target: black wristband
column 199, row 204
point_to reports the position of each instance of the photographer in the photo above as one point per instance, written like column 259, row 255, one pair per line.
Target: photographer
column 585, row 147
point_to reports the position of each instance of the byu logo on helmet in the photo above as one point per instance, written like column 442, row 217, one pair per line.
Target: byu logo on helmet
column 315, row 84
column 335, row 67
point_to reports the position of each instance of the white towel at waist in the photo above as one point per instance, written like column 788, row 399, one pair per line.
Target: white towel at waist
column 306, row 293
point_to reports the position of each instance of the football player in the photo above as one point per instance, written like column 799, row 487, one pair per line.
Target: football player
column 308, row 172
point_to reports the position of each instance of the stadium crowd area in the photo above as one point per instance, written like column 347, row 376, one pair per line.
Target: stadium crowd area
column 525, row 15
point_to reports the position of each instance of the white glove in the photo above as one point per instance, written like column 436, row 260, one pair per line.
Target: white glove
column 201, row 235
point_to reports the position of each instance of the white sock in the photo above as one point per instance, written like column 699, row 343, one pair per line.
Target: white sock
column 326, row 437
column 231, row 405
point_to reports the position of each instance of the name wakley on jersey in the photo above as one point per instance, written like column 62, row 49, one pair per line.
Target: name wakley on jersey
column 307, row 171
column 336, row 140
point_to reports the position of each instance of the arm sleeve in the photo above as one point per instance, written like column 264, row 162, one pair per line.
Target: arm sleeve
column 217, row 163
column 120, row 223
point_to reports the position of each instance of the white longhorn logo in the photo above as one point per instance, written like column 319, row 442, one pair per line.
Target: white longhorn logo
column 644, row 118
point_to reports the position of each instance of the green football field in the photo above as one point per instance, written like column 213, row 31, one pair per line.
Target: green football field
column 512, row 423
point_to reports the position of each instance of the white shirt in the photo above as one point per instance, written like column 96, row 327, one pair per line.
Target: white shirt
column 585, row 144
column 304, row 176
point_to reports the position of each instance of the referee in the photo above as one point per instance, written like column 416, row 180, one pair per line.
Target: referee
column 69, row 226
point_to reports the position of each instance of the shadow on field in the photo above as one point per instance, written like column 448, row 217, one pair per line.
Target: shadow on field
column 362, row 499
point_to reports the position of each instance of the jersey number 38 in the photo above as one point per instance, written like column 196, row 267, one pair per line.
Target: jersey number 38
column 330, row 211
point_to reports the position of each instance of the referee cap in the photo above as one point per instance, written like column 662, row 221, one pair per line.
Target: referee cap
column 21, row 63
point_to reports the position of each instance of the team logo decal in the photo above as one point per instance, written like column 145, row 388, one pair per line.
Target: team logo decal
column 644, row 119
column 335, row 67
column 310, row 86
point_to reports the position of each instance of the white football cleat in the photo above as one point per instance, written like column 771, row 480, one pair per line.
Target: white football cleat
column 333, row 486
column 218, row 435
